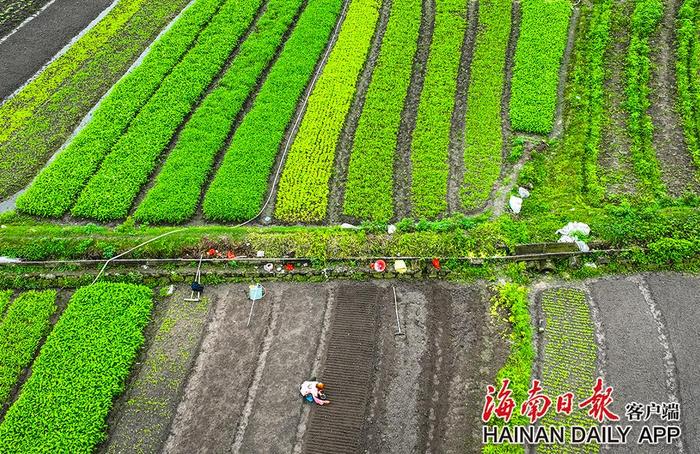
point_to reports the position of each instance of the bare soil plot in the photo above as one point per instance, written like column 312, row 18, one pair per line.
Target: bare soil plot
column 635, row 359
column 418, row 392
column 677, row 298
column 33, row 45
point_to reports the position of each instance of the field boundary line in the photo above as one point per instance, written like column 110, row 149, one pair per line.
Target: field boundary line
column 270, row 334
column 63, row 50
column 457, row 143
column 29, row 19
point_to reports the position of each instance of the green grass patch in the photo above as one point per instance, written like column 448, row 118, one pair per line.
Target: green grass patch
column 177, row 189
column 84, row 363
column 484, row 137
column 240, row 185
column 55, row 189
column 538, row 57
column 304, row 185
column 134, row 156
column 43, row 115
column 369, row 188
column 21, row 330
column 431, row 136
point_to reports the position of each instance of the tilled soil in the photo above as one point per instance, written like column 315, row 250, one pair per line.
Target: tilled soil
column 420, row 391
column 35, row 43
column 635, row 361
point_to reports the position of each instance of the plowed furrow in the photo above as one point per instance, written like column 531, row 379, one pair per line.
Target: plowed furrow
column 348, row 374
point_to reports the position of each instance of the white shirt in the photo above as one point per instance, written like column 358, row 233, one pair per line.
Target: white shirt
column 309, row 387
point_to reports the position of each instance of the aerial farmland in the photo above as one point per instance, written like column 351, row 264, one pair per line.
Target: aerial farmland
column 471, row 226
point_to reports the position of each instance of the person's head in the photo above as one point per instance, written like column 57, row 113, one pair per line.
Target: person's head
column 320, row 386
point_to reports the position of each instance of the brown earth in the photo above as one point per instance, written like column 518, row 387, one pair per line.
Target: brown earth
column 420, row 391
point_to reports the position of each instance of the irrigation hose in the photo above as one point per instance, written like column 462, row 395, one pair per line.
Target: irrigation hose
column 292, row 134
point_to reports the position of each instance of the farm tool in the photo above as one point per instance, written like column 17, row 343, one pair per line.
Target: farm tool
column 197, row 286
column 255, row 292
column 396, row 308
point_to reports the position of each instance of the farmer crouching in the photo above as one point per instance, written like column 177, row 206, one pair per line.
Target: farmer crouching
column 312, row 391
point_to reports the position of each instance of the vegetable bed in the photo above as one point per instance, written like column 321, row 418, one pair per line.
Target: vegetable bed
column 84, row 362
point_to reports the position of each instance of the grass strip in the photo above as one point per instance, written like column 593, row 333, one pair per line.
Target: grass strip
column 133, row 158
column 570, row 354
column 687, row 70
column 484, row 136
column 513, row 299
column 43, row 115
column 369, row 190
column 5, row 296
column 55, row 189
column 538, row 57
column 177, row 189
column 240, row 185
column 646, row 18
column 26, row 323
column 83, row 366
column 303, row 187
column 431, row 136
column 593, row 78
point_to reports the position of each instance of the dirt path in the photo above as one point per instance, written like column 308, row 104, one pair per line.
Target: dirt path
column 455, row 177
column 558, row 127
column 677, row 167
column 25, row 52
column 616, row 171
column 402, row 163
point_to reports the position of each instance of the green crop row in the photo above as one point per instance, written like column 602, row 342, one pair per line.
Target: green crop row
column 22, row 105
column 569, row 360
column 42, row 116
column 597, row 40
column 645, row 20
column 55, row 189
column 175, row 195
column 431, row 136
column 538, row 58
column 687, row 70
column 241, row 183
column 304, row 185
column 82, row 367
column 26, row 323
column 484, row 137
column 134, row 156
column 369, row 190
column 518, row 366
column 5, row 296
